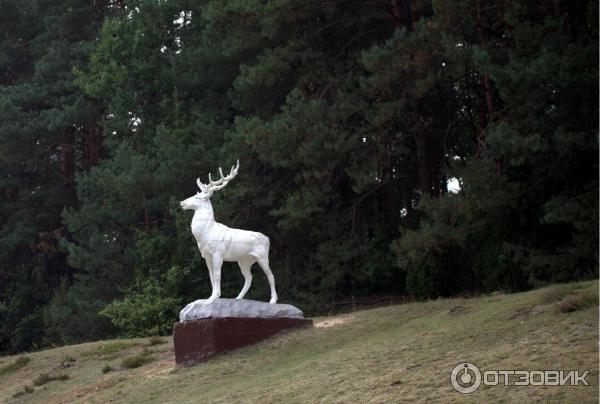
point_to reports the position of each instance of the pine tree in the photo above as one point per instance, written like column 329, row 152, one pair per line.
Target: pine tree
column 349, row 119
column 47, row 131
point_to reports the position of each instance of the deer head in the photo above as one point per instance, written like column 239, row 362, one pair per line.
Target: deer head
column 206, row 190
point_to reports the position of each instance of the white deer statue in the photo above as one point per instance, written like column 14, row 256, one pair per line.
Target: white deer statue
column 219, row 243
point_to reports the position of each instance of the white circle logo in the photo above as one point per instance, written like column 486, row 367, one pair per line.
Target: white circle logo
column 465, row 378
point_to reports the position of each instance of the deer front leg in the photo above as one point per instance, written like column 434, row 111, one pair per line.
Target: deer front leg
column 217, row 261
column 210, row 274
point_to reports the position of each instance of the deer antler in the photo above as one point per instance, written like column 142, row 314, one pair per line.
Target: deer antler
column 220, row 183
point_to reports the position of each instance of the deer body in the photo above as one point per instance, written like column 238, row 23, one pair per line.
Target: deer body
column 218, row 243
column 231, row 244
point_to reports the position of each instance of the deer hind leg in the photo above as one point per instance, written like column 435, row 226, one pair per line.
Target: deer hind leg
column 264, row 264
column 245, row 265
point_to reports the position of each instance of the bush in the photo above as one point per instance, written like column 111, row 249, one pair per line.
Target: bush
column 150, row 306
column 41, row 379
column 67, row 361
column 106, row 368
column 26, row 390
column 44, row 378
column 138, row 360
column 576, row 302
column 155, row 340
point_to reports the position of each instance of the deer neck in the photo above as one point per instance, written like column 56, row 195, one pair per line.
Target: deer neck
column 202, row 221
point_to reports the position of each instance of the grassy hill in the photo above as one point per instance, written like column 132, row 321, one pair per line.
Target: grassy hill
column 387, row 354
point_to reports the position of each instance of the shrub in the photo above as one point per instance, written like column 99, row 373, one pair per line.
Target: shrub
column 138, row 360
column 44, row 378
column 67, row 361
column 150, row 306
column 106, row 368
column 155, row 340
column 576, row 302
column 26, row 390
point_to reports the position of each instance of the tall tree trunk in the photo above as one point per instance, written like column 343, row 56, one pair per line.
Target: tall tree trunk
column 485, row 115
column 389, row 195
column 425, row 184
column 425, row 140
column 91, row 146
column 67, row 148
column 402, row 11
column 429, row 160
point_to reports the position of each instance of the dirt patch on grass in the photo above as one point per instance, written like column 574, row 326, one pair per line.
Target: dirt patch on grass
column 525, row 312
column 160, row 368
column 332, row 322
column 458, row 309
column 103, row 384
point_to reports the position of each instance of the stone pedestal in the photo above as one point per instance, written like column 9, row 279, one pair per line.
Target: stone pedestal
column 199, row 340
column 225, row 324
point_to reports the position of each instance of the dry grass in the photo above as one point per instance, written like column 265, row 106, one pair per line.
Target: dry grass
column 388, row 354
column 569, row 298
column 18, row 363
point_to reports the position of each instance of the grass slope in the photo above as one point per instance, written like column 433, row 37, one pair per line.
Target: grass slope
column 389, row 354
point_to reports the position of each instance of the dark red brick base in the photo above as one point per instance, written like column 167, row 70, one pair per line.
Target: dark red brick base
column 199, row 340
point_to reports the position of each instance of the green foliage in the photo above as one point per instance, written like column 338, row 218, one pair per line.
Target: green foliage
column 150, row 305
column 106, row 368
column 348, row 119
column 48, row 132
column 526, row 215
